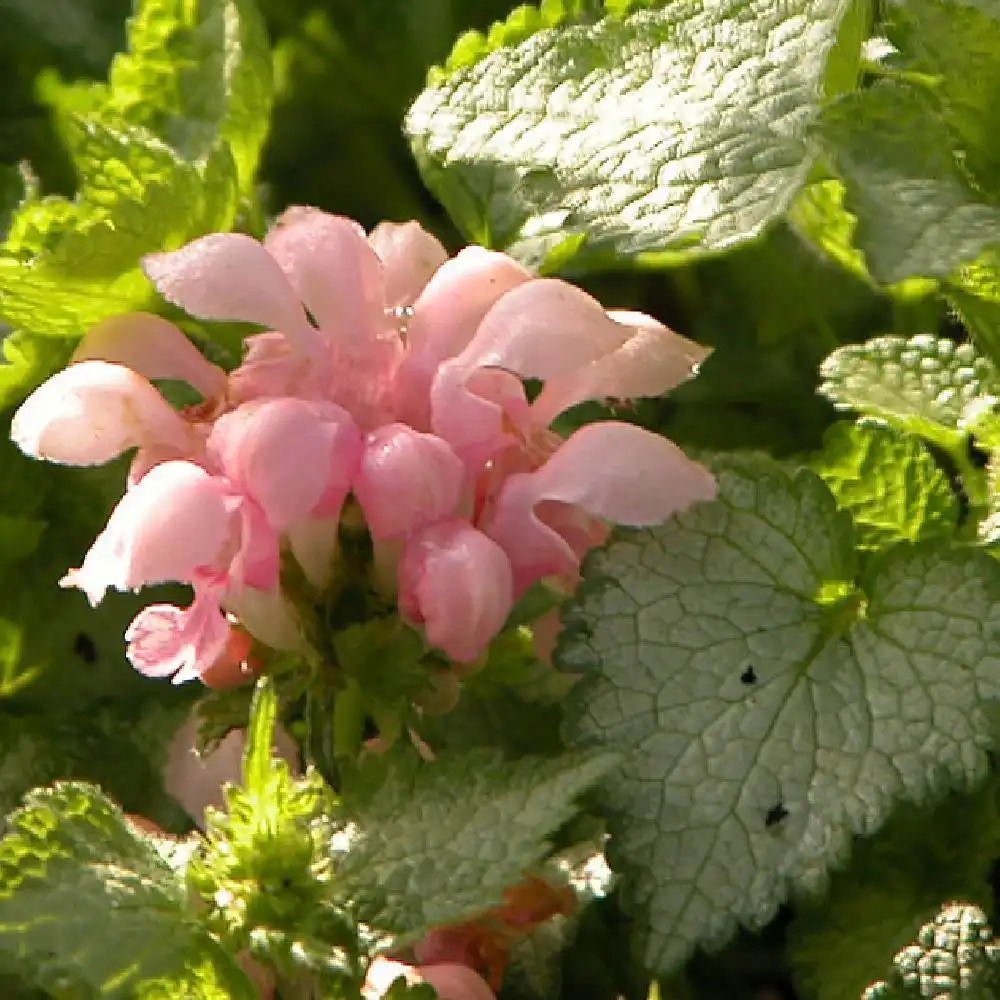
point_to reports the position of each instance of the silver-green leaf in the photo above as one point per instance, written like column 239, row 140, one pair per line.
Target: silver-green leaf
column 769, row 707
column 681, row 129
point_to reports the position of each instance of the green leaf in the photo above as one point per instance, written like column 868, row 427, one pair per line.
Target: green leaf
column 180, row 123
column 918, row 213
column 633, row 130
column 818, row 215
column 81, row 892
column 85, row 266
column 436, row 843
column 194, row 73
column 956, row 44
column 894, row 882
column 974, row 293
column 890, row 484
column 921, row 385
column 767, row 707
column 954, row 957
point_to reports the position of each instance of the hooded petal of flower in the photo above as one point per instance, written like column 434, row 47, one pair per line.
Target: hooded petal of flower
column 91, row 412
column 650, row 362
column 176, row 521
column 445, row 318
column 409, row 255
column 459, row 584
column 406, row 479
column 336, row 273
column 228, row 276
column 165, row 641
column 611, row 470
column 152, row 347
column 289, row 455
column 542, row 329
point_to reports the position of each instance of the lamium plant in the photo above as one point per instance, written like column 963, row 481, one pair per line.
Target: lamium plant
column 500, row 502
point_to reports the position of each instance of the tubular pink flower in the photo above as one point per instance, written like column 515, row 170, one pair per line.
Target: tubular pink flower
column 456, row 982
column 330, row 264
column 176, row 522
column 151, row 347
column 230, row 276
column 613, row 471
column 165, row 641
column 650, row 362
column 459, row 584
column 542, row 329
column 445, row 318
column 410, row 255
column 291, row 456
column 450, row 980
column 93, row 411
column 406, row 480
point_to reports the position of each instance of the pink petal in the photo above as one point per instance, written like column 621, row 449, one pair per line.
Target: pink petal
column 652, row 361
column 152, row 347
column 409, row 255
column 227, row 276
column 336, row 273
column 288, row 454
column 406, row 479
column 176, row 521
column 459, row 584
column 456, row 982
column 445, row 318
column 257, row 560
column 164, row 640
column 272, row 367
column 91, row 412
column 611, row 470
column 543, row 329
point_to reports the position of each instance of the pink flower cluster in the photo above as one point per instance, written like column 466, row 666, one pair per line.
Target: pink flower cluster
column 387, row 373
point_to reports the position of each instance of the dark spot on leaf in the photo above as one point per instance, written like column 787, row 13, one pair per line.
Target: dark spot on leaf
column 749, row 676
column 84, row 647
column 369, row 730
column 977, row 456
column 775, row 815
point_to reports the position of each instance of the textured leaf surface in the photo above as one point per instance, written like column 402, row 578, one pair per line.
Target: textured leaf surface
column 768, row 709
column 193, row 74
column 180, row 123
column 974, row 293
column 893, row 884
column 921, row 385
column 634, row 131
column 80, row 891
column 918, row 212
column 957, row 44
column 889, row 482
column 439, row 842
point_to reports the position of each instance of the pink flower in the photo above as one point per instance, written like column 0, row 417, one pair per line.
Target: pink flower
column 458, row 584
column 177, row 522
column 612, row 471
column 293, row 457
column 383, row 370
column 93, row 411
column 406, row 480
column 450, row 980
